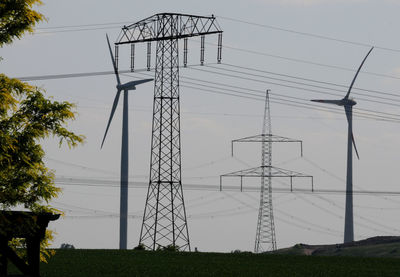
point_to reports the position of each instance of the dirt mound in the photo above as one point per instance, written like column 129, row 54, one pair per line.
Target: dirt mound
column 375, row 246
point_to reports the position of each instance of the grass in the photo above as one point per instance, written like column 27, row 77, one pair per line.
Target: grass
column 140, row 263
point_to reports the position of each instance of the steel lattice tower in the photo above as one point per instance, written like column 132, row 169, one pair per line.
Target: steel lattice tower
column 164, row 220
column 165, row 209
column 265, row 232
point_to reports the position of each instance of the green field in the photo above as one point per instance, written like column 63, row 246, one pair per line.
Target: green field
column 142, row 263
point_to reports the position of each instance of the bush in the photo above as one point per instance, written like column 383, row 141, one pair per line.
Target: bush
column 140, row 247
column 67, row 246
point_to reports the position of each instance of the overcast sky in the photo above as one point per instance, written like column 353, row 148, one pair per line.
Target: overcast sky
column 300, row 49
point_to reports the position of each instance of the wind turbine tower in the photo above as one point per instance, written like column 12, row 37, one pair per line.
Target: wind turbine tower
column 348, row 104
column 123, row 216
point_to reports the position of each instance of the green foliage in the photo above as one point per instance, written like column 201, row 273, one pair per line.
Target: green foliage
column 140, row 247
column 168, row 248
column 16, row 18
column 26, row 117
column 19, row 246
column 45, row 251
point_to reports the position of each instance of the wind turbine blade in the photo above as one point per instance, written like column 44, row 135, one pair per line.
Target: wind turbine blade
column 114, row 107
column 138, row 82
column 132, row 84
column 354, row 144
column 335, row 102
column 348, row 112
column 113, row 61
column 358, row 71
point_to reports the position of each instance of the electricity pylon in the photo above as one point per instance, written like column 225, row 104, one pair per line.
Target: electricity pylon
column 265, row 233
column 164, row 220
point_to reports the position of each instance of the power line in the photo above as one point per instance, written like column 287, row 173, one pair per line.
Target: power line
column 303, row 224
column 312, row 85
column 286, row 102
column 294, row 87
column 91, row 182
column 310, row 34
column 339, row 216
column 261, row 91
column 299, row 105
column 292, row 103
column 343, row 180
column 283, row 85
column 308, row 223
column 100, row 26
column 359, row 216
column 341, row 208
column 83, row 25
column 299, row 225
column 86, row 74
column 81, row 166
column 76, row 30
column 265, row 54
column 99, row 73
column 310, row 80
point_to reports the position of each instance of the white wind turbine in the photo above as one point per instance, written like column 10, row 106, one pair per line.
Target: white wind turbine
column 348, row 104
column 123, row 217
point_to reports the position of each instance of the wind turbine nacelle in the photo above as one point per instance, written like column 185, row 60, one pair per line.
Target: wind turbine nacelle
column 126, row 86
column 349, row 102
column 132, row 84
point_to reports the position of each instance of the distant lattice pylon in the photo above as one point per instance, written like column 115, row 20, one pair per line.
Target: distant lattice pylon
column 265, row 233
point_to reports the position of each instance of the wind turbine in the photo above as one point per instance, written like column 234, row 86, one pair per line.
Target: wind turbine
column 348, row 104
column 123, row 217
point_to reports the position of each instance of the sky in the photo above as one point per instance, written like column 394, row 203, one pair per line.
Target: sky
column 299, row 49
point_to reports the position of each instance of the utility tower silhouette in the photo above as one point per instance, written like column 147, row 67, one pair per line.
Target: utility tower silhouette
column 164, row 219
column 265, row 232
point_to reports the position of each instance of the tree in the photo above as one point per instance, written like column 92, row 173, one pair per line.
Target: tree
column 16, row 18
column 67, row 246
column 26, row 118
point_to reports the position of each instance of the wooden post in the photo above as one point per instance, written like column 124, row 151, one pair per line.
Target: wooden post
column 33, row 251
column 3, row 258
column 28, row 225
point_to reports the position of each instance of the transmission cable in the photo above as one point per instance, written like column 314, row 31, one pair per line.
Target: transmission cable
column 341, row 217
column 289, row 86
column 309, row 80
column 306, row 61
column 274, row 97
column 110, row 26
column 306, row 105
column 309, row 34
column 90, row 74
column 359, row 216
column 315, row 86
